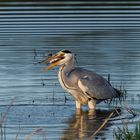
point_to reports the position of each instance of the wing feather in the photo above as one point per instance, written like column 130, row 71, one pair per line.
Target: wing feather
column 96, row 87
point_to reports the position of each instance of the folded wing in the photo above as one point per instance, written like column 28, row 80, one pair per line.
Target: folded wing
column 96, row 87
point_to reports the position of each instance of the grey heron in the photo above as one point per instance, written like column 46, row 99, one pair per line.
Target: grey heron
column 87, row 87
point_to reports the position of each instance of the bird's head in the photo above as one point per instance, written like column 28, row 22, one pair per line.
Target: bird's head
column 60, row 58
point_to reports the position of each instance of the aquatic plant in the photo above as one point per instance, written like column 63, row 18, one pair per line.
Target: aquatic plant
column 125, row 134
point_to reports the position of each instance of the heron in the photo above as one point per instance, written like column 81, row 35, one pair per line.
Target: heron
column 86, row 87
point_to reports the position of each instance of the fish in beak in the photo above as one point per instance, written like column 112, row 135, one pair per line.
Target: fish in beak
column 53, row 60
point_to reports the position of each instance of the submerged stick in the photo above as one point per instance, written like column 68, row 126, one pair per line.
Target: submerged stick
column 6, row 112
column 18, row 133
column 30, row 135
column 35, row 53
column 129, row 109
column 102, row 125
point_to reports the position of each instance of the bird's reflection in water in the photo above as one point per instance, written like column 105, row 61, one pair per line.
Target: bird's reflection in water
column 83, row 124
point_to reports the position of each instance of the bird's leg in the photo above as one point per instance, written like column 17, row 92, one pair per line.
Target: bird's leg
column 91, row 104
column 78, row 105
column 91, row 113
column 78, row 112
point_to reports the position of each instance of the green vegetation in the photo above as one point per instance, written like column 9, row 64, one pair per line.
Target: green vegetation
column 125, row 134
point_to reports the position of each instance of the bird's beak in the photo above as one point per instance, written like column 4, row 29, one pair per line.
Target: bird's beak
column 53, row 60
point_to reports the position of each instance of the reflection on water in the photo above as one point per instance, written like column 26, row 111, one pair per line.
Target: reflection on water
column 55, row 122
column 83, row 124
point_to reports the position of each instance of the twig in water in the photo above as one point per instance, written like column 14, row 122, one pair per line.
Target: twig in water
column 76, row 60
column 43, row 83
column 18, row 132
column 30, row 135
column 6, row 112
column 35, row 53
column 66, row 99
column 4, row 133
column 129, row 109
column 102, row 125
column 108, row 78
column 123, row 122
column 1, row 133
column 54, row 95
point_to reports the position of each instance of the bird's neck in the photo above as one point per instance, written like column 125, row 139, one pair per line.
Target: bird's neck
column 63, row 74
column 67, row 67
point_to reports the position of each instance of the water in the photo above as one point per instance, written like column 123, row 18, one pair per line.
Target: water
column 105, row 37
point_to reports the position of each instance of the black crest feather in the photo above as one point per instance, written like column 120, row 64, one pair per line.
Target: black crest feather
column 66, row 51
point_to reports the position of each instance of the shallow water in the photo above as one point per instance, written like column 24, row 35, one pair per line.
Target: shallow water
column 105, row 37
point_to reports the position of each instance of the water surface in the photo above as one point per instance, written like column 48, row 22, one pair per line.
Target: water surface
column 105, row 37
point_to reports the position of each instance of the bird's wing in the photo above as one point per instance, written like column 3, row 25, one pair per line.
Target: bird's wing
column 95, row 86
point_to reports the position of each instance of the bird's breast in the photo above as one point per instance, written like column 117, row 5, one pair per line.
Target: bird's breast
column 71, row 88
column 64, row 82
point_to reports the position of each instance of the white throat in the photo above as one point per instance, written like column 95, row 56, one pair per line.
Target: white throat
column 63, row 73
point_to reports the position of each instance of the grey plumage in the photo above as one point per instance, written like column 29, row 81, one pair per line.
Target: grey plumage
column 92, row 84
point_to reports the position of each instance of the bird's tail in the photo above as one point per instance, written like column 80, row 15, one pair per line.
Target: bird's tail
column 119, row 93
